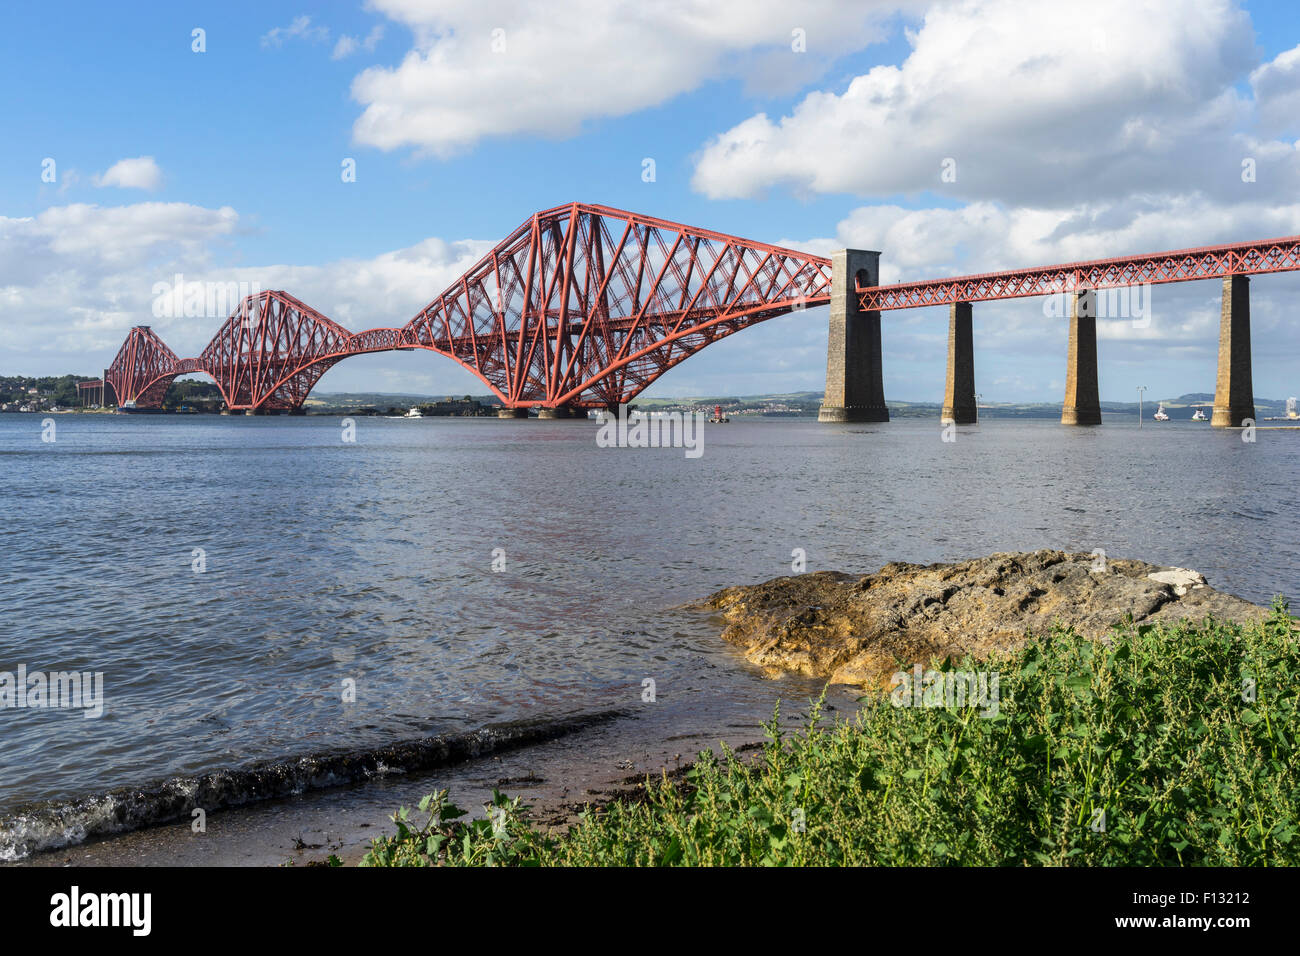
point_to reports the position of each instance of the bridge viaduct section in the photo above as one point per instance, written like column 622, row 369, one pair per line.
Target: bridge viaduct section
column 854, row 392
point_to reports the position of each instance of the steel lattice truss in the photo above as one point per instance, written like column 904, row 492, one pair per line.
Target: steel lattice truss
column 272, row 351
column 581, row 305
column 1183, row 265
column 143, row 369
column 587, row 305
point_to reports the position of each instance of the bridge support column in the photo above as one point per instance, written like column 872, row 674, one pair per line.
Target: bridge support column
column 512, row 413
column 855, row 388
column 556, row 411
column 959, row 393
column 1234, row 393
column 1082, row 404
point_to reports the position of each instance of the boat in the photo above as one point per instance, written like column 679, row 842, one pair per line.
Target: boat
column 129, row 408
column 1199, row 416
column 1161, row 415
column 718, row 418
column 413, row 413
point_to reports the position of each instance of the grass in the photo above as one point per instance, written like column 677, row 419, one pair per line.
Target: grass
column 1171, row 745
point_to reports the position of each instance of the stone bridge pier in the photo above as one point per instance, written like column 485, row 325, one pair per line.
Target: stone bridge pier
column 1082, row 404
column 959, row 391
column 855, row 389
column 1234, row 392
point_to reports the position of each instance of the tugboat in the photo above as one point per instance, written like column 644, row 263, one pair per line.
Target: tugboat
column 1161, row 415
column 718, row 418
column 1199, row 416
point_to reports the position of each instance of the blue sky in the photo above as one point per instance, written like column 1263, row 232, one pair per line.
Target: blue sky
column 1070, row 144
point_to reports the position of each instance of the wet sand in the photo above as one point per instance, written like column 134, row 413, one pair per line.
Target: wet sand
column 556, row 779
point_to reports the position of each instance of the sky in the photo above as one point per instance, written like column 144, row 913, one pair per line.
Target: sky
column 216, row 141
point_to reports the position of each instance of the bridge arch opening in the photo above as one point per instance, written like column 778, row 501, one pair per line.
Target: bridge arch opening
column 780, row 354
column 178, row 392
column 431, row 375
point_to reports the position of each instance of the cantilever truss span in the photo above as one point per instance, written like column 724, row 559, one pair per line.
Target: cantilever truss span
column 581, row 305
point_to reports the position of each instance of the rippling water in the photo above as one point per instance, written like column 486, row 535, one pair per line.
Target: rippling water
column 372, row 561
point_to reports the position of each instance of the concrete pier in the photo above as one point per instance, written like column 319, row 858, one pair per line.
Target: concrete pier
column 855, row 389
column 559, row 411
column 1082, row 404
column 512, row 413
column 959, row 393
column 1234, row 392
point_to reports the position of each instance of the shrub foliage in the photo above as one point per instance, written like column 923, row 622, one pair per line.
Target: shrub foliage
column 1165, row 745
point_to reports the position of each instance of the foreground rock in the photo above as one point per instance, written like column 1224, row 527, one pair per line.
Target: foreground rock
column 854, row 629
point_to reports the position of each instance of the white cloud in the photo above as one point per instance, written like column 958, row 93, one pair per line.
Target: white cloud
column 482, row 69
column 90, row 239
column 347, row 45
column 385, row 290
column 1033, row 102
column 139, row 173
column 300, row 28
column 987, row 237
column 1277, row 90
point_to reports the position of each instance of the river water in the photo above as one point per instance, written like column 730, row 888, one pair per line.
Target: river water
column 238, row 581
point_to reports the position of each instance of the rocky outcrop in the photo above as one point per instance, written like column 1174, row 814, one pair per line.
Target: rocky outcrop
column 855, row 629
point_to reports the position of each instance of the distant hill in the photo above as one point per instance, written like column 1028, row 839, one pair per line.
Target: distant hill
column 384, row 399
column 777, row 403
column 807, row 403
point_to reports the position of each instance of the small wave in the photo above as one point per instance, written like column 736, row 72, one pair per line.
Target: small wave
column 51, row 825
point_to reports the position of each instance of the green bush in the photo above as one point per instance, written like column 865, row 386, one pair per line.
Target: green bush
column 1149, row 749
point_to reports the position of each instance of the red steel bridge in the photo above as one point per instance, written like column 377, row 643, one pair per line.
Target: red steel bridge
column 583, row 306
column 580, row 307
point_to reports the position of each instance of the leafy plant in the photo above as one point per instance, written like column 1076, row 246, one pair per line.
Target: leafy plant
column 1173, row 744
